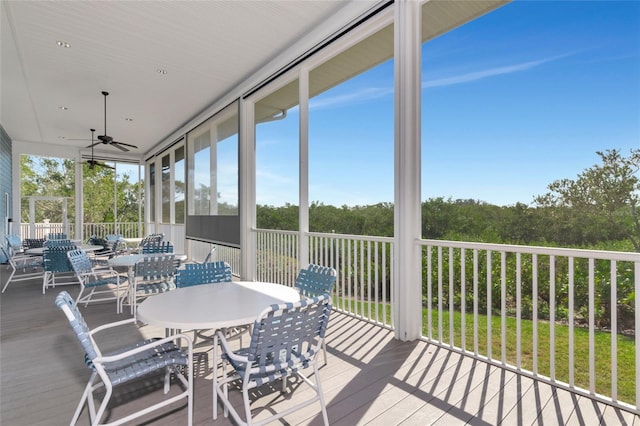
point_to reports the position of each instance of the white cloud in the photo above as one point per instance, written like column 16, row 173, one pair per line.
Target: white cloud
column 492, row 72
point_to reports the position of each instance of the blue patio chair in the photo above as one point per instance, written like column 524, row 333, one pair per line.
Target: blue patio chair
column 30, row 243
column 101, row 281
column 59, row 242
column 203, row 273
column 57, row 236
column 19, row 265
column 194, row 274
column 313, row 281
column 152, row 275
column 57, row 267
column 117, row 368
column 286, row 339
column 157, row 247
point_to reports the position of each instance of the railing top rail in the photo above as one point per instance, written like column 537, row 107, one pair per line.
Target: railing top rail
column 328, row 235
column 551, row 251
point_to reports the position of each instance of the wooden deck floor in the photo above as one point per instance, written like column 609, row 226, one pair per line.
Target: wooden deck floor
column 370, row 378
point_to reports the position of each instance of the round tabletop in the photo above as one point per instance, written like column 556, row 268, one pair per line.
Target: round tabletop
column 213, row 306
column 39, row 251
column 129, row 260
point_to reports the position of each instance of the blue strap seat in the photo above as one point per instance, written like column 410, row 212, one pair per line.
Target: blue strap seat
column 126, row 364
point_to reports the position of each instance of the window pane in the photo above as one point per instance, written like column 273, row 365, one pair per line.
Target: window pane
column 179, row 184
column 152, row 192
column 213, row 166
column 166, row 189
column 351, row 139
column 277, row 158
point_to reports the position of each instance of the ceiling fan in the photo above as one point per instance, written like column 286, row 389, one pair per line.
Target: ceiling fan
column 93, row 162
column 106, row 139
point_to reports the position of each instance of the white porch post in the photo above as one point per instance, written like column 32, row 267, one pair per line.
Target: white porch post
column 407, row 294
column 247, row 188
column 303, row 238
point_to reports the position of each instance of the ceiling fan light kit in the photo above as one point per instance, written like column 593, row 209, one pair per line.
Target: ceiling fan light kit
column 93, row 162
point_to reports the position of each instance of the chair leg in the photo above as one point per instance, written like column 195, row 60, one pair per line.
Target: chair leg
column 247, row 408
column 83, row 399
column 103, row 405
column 323, row 406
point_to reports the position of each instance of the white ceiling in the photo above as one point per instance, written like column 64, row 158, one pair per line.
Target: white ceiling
column 206, row 47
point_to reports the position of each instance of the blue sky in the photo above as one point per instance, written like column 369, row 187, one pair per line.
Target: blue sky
column 512, row 101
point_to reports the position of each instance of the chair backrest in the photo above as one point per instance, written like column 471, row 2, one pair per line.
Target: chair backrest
column 61, row 242
column 289, row 333
column 158, row 247
column 15, row 243
column 57, row 236
column 30, row 243
column 315, row 280
column 203, row 273
column 80, row 261
column 152, row 268
column 56, row 260
column 78, row 324
column 152, row 238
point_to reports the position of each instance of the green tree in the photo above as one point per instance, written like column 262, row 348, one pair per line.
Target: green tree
column 602, row 197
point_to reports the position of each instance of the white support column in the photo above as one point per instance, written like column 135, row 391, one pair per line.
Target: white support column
column 247, row 188
column 303, row 239
column 79, row 191
column 407, row 294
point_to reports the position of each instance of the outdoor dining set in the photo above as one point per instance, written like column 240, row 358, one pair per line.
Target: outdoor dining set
column 194, row 302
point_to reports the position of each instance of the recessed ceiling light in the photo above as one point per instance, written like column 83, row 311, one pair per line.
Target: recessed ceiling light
column 128, row 119
column 63, row 44
column 161, row 71
column 64, row 108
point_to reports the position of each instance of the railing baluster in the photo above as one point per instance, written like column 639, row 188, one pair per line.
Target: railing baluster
column 463, row 296
column 503, row 306
column 552, row 318
column 614, row 330
column 571, row 312
column 534, row 310
column 475, row 302
column 592, row 338
column 489, row 337
column 518, row 311
column 451, row 290
column 440, row 294
column 429, row 292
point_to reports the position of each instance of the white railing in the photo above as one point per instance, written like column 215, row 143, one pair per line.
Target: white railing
column 41, row 230
column 363, row 264
column 563, row 316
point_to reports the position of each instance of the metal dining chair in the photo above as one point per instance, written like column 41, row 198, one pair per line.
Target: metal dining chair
column 157, row 247
column 174, row 354
column 57, row 268
column 286, row 339
column 151, row 275
column 316, row 280
column 101, row 282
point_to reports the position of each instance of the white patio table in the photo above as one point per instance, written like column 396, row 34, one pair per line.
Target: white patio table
column 39, row 251
column 213, row 306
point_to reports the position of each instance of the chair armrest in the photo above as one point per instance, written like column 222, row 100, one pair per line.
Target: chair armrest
column 112, row 325
column 111, row 358
column 228, row 351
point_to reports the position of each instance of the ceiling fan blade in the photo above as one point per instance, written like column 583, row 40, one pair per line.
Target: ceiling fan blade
column 125, row 144
column 106, row 166
column 122, row 148
column 94, row 144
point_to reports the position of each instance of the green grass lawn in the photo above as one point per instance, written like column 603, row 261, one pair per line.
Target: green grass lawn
column 625, row 351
